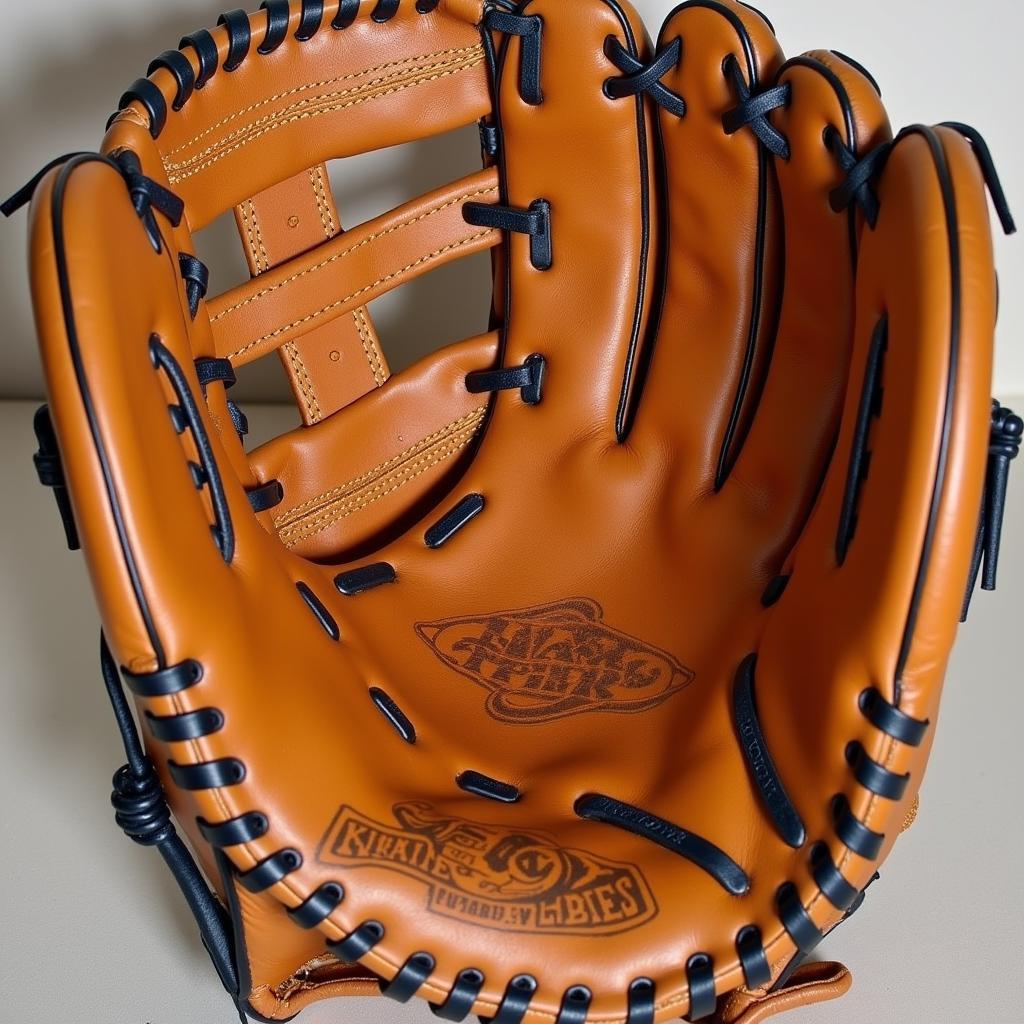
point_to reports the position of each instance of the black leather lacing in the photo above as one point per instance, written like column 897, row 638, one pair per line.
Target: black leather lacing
column 1004, row 446
column 140, row 809
column 50, row 470
column 530, row 30
column 640, row 78
column 149, row 198
column 238, row 27
column 988, row 170
column 754, row 107
column 860, row 176
column 527, row 379
column 197, row 280
column 220, row 371
column 535, row 222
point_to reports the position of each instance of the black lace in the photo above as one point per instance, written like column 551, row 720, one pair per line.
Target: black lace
column 753, row 109
column 1004, row 446
column 528, row 379
column 645, row 78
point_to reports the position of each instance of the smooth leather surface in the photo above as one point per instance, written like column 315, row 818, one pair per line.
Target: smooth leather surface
column 624, row 551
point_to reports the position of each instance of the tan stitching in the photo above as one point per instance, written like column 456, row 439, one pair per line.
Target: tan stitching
column 318, row 513
column 248, row 212
column 381, row 490
column 176, row 173
column 304, row 382
column 394, row 229
column 210, row 129
column 429, row 258
column 369, row 346
column 316, row 179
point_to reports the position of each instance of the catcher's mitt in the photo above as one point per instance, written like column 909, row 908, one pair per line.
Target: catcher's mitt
column 586, row 670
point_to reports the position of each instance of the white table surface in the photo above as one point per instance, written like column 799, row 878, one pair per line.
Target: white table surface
column 92, row 928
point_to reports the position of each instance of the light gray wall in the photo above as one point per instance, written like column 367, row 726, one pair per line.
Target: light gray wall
column 63, row 67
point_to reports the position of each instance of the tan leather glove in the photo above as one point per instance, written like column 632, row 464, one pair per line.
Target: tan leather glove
column 586, row 670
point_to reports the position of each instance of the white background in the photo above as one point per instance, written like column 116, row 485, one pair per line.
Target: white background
column 91, row 927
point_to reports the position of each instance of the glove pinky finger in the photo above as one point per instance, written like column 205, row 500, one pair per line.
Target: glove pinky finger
column 855, row 649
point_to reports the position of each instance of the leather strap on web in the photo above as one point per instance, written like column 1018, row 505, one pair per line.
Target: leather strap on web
column 336, row 363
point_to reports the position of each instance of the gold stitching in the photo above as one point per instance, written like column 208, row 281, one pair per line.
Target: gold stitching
column 176, row 173
column 354, row 248
column 429, row 258
column 381, row 489
column 369, row 346
column 315, row 85
column 316, row 179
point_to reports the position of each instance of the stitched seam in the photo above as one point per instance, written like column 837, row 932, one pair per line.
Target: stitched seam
column 316, row 179
column 177, row 173
column 210, row 129
column 251, row 228
column 259, row 236
column 429, row 258
column 369, row 347
column 381, row 490
column 305, row 384
column 292, row 515
column 394, row 229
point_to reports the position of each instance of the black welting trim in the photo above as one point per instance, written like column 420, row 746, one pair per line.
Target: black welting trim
column 875, row 777
column 319, row 610
column 757, row 972
column 347, row 11
column 318, row 907
column 278, row 15
column 196, row 276
column 239, row 954
column 457, row 519
column 535, row 222
column 575, row 1004
column 869, row 409
column 143, row 91
column 239, row 37
column 180, row 67
column 519, row 993
column 764, row 17
column 530, row 30
column 774, row 591
column 857, row 66
column 394, row 714
column 263, row 499
column 763, row 772
column 269, row 872
column 357, row 581
column 228, row 771
column 385, row 10
column 244, row 829
column 67, row 306
column 836, row 889
column 945, row 181
column 747, row 389
column 310, row 19
column 188, row 726
column 640, row 1001
column 699, row 851
column 795, row 919
column 358, row 943
column 165, row 681
column 206, row 51
column 461, row 998
column 50, row 470
column 700, row 979
column 890, row 720
column 410, row 978
column 223, row 529
column 854, row 833
column 491, row 789
column 528, row 379
column 639, row 78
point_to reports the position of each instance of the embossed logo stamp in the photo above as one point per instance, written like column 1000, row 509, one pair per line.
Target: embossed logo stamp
column 555, row 660
column 494, row 877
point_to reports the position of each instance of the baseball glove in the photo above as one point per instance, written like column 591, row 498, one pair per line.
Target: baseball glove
column 585, row 671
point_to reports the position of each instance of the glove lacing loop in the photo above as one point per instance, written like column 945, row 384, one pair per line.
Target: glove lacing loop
column 754, row 107
column 860, row 176
column 639, row 78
